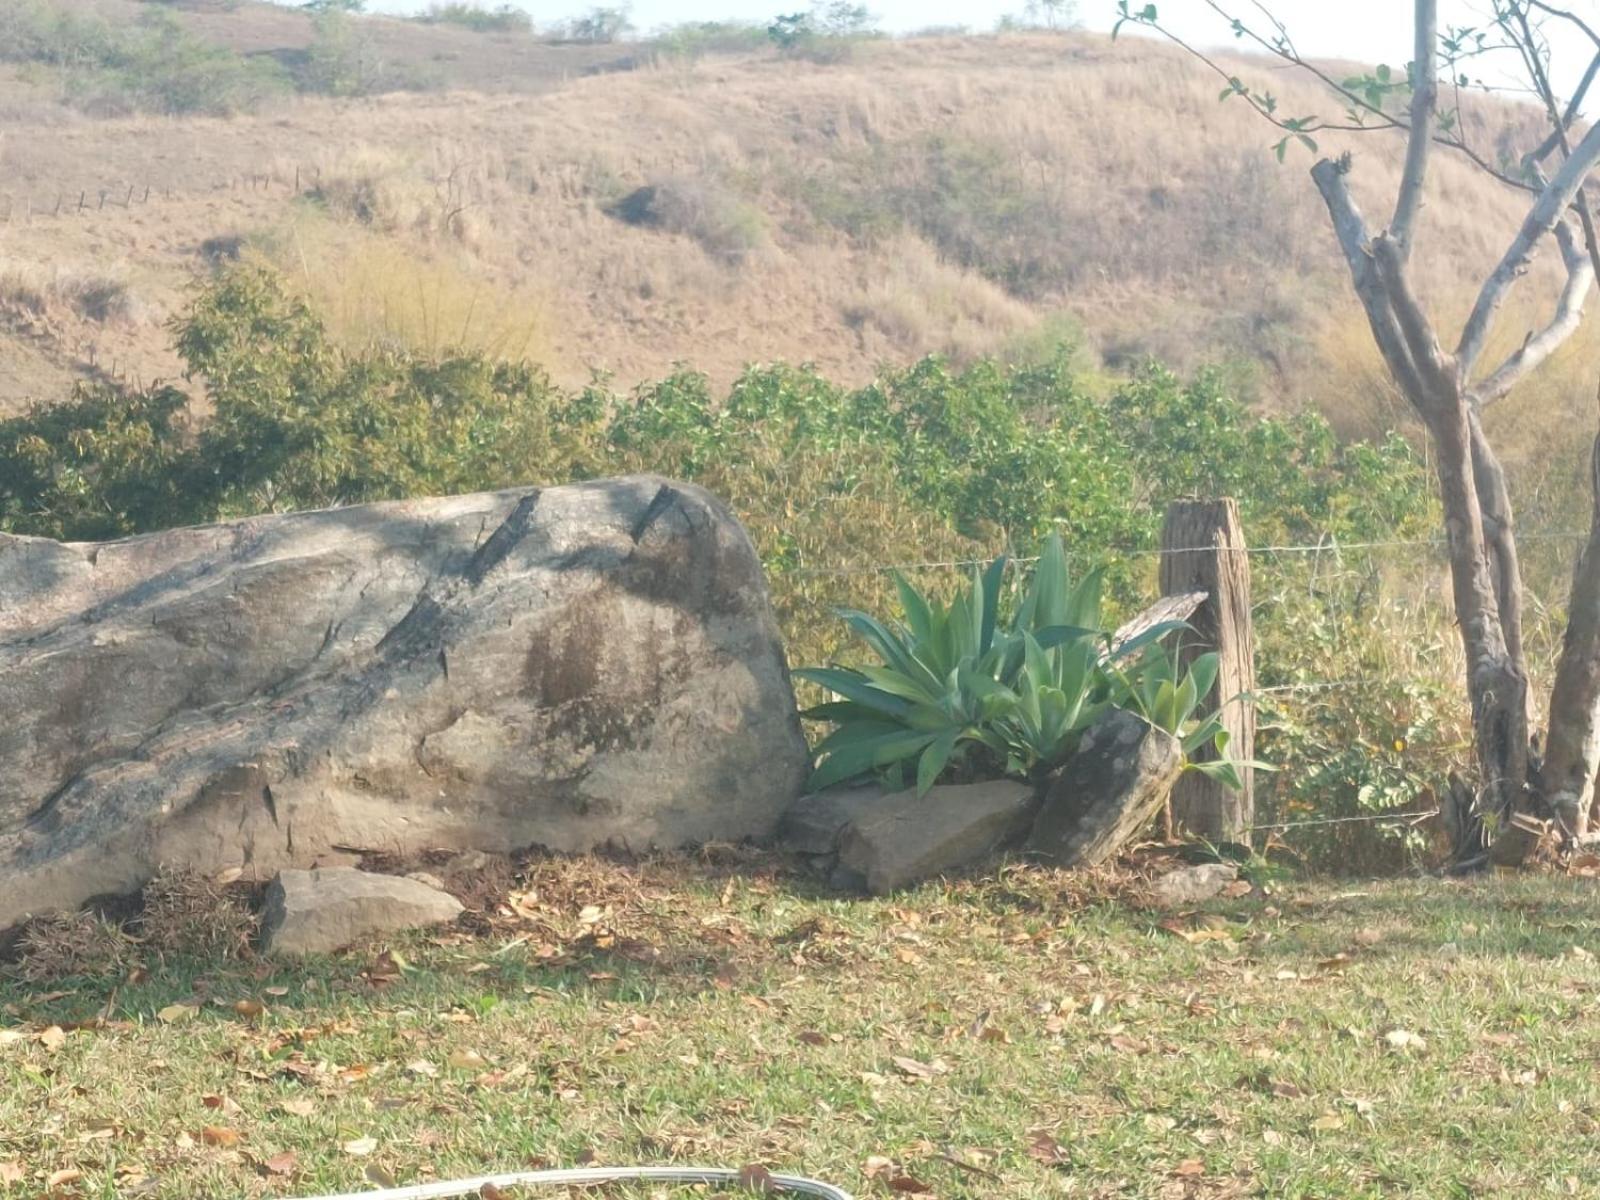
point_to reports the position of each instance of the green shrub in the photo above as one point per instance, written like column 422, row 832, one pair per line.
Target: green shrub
column 506, row 18
column 925, row 465
column 696, row 39
column 725, row 225
column 152, row 66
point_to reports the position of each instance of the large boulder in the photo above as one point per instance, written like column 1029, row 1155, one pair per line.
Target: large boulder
column 1108, row 792
column 318, row 912
column 583, row 665
column 906, row 838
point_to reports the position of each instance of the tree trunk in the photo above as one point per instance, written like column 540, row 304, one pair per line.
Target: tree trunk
column 1496, row 682
column 1572, row 754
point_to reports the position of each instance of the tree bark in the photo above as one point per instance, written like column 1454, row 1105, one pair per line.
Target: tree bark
column 1572, row 755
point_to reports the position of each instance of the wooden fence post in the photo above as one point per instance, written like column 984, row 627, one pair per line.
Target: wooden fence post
column 1203, row 549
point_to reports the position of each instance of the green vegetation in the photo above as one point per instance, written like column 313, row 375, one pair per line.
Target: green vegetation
column 969, row 689
column 600, row 25
column 1008, row 1037
column 506, row 18
column 152, row 66
column 927, row 464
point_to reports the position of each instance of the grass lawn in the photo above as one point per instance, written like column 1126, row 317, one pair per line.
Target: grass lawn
column 1008, row 1037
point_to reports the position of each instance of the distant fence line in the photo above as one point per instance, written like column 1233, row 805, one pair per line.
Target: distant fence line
column 71, row 202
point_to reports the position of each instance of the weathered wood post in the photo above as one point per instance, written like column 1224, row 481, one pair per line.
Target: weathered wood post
column 1203, row 549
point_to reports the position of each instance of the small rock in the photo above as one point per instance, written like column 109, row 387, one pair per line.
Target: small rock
column 1190, row 885
column 814, row 824
column 317, row 912
column 905, row 838
column 1108, row 792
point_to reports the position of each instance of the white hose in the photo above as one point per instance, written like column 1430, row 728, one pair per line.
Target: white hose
column 589, row 1175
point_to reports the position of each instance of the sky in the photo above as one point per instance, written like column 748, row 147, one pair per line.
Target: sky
column 1366, row 30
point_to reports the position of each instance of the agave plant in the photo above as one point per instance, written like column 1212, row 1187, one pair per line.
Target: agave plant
column 958, row 681
column 1168, row 695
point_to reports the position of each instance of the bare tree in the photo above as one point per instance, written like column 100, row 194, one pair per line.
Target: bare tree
column 1521, row 795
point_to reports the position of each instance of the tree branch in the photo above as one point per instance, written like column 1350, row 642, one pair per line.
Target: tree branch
column 1351, row 230
column 1424, row 103
column 1434, row 367
column 1541, row 219
column 1541, row 345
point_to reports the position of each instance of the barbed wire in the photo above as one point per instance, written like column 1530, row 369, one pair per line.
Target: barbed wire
column 1413, row 818
column 1327, row 547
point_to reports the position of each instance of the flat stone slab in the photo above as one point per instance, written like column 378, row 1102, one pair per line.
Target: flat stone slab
column 1191, row 885
column 905, row 838
column 320, row 911
column 815, row 823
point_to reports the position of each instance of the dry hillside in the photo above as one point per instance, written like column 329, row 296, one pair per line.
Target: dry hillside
column 603, row 208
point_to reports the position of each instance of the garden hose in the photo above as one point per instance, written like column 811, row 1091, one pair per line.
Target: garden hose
column 590, row 1176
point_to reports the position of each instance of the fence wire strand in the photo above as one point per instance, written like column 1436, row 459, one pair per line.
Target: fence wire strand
column 1330, row 548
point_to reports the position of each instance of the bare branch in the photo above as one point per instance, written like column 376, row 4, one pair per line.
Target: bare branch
column 1434, row 367
column 1424, row 105
column 1568, row 315
column 1351, row 230
column 1568, row 15
column 1541, row 219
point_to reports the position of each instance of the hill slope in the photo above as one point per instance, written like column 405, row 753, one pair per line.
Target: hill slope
column 955, row 195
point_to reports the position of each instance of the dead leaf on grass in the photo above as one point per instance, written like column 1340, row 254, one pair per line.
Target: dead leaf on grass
column 1043, row 1148
column 754, row 1177
column 360, row 1147
column 284, row 1163
column 11, row 1172
column 219, row 1136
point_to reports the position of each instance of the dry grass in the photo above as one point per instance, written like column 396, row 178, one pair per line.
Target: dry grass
column 63, row 945
column 187, row 913
column 944, row 194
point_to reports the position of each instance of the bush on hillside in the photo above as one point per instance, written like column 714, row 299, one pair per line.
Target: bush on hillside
column 152, row 66
column 725, row 225
column 506, row 18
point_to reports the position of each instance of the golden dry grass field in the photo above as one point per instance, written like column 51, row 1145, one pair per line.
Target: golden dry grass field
column 960, row 195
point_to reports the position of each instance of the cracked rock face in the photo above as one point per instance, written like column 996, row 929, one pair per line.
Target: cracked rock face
column 579, row 666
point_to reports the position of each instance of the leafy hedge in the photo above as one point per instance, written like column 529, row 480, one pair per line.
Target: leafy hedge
column 927, row 464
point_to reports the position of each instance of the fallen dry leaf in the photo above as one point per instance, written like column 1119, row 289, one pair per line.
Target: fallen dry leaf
column 11, row 1172
column 1043, row 1148
column 283, row 1163
column 299, row 1107
column 360, row 1147
column 467, row 1060
column 877, row 1164
column 220, row 1136
column 909, row 1185
column 754, row 1177
column 173, row 1013
column 1189, row 1168
column 60, row 1179
column 1404, row 1039
column 53, row 1038
column 913, row 1068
